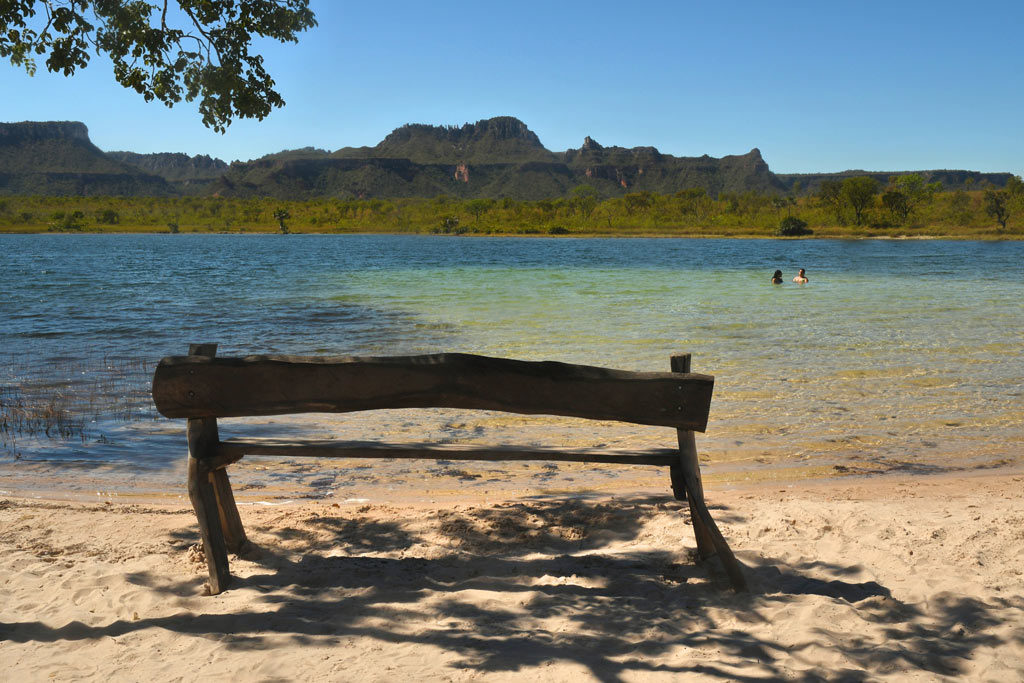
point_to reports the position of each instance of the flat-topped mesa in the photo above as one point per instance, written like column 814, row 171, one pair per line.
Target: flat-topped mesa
column 633, row 169
column 57, row 158
column 951, row 179
column 499, row 128
column 499, row 140
column 493, row 158
column 24, row 131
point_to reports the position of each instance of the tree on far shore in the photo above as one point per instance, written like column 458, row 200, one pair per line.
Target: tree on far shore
column 906, row 193
column 192, row 49
column 831, row 194
column 281, row 215
column 997, row 206
column 859, row 192
column 584, row 200
column 478, row 207
column 897, row 204
column 1015, row 186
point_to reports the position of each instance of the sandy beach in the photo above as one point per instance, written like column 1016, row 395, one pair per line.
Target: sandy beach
column 902, row 578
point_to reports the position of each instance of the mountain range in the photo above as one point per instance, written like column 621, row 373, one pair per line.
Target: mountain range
column 497, row 157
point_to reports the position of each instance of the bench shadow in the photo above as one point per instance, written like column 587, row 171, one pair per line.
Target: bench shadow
column 624, row 612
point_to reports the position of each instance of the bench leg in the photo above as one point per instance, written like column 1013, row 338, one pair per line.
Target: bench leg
column 204, row 501
column 705, row 546
column 686, row 484
column 729, row 561
column 702, row 516
column 688, row 464
column 230, row 521
column 210, row 492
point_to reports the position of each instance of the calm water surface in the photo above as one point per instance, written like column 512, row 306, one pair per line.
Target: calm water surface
column 898, row 355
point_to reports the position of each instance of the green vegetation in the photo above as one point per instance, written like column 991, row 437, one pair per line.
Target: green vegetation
column 997, row 205
column 858, row 193
column 853, row 207
column 206, row 58
column 281, row 215
column 791, row 226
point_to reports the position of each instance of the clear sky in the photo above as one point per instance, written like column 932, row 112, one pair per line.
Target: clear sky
column 817, row 86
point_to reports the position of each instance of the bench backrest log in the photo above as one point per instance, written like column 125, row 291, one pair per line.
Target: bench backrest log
column 200, row 386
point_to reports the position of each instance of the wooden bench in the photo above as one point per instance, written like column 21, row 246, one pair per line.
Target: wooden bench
column 202, row 388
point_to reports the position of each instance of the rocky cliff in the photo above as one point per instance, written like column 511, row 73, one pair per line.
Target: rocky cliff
column 57, row 158
column 498, row 157
column 173, row 166
column 503, row 139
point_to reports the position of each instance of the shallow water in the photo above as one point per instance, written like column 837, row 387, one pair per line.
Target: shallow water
column 898, row 355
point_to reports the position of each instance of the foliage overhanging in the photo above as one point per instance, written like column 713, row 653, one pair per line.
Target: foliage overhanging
column 188, row 49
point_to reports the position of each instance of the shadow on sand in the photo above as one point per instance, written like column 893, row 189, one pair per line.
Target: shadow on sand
column 551, row 559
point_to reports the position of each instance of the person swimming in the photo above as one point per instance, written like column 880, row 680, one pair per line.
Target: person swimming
column 777, row 278
column 800, row 278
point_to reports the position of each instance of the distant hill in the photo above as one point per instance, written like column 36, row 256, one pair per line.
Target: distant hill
column 173, row 166
column 498, row 157
column 57, row 158
column 645, row 168
column 810, row 183
column 501, row 140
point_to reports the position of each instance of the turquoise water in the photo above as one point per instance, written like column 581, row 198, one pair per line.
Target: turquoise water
column 898, row 355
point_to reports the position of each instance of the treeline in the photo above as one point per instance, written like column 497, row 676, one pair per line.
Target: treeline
column 853, row 206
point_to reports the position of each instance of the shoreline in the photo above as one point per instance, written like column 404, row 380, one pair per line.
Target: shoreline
column 455, row 482
column 881, row 580
column 981, row 237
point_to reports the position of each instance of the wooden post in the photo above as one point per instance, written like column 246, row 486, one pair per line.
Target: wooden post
column 686, row 483
column 202, row 445
column 230, row 520
column 729, row 561
column 688, row 462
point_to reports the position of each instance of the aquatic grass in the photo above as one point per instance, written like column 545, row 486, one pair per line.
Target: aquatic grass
column 36, row 416
column 78, row 391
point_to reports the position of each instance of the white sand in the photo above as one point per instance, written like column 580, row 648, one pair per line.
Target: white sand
column 884, row 578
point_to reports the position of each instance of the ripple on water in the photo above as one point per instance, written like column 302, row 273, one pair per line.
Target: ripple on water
column 896, row 356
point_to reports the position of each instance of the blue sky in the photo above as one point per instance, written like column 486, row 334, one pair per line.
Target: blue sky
column 816, row 86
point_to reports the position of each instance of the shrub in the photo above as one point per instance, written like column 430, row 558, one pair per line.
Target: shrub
column 791, row 226
column 281, row 215
column 64, row 222
column 449, row 224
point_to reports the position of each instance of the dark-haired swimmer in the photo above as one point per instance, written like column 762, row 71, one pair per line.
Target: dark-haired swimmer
column 800, row 278
column 777, row 278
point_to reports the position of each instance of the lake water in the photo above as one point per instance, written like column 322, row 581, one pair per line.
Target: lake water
column 897, row 356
